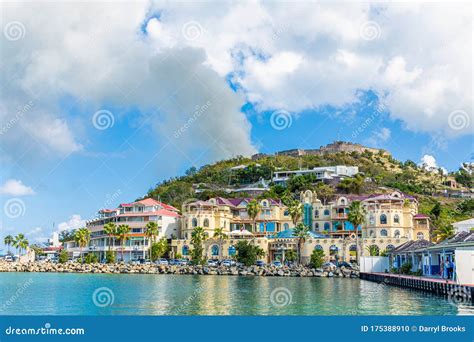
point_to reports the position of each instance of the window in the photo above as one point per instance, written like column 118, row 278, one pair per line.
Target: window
column 420, row 236
column 383, row 233
column 343, row 201
column 286, row 226
column 215, row 250
column 194, row 222
column 231, row 251
column 327, row 226
column 372, row 220
column 397, row 233
column 316, row 226
column 326, row 212
column 185, row 250
column 206, row 223
column 371, row 233
column 383, row 219
column 316, row 213
column 396, row 219
column 389, row 248
column 333, row 250
column 318, row 247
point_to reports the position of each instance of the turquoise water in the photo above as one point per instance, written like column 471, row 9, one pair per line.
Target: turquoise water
column 107, row 294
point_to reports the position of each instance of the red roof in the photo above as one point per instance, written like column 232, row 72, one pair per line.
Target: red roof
column 148, row 202
column 420, row 216
column 160, row 212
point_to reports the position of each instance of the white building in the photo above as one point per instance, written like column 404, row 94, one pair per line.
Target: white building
column 321, row 173
column 464, row 226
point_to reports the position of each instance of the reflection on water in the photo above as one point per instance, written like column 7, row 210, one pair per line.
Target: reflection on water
column 71, row 294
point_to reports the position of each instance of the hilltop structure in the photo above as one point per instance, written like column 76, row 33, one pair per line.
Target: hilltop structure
column 335, row 147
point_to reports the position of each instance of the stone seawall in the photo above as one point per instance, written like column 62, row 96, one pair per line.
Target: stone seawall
column 122, row 268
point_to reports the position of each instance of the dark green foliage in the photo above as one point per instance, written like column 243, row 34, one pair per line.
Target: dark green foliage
column 91, row 258
column 463, row 177
column 317, row 258
column 247, row 253
column 406, row 268
column 63, row 257
column 110, row 257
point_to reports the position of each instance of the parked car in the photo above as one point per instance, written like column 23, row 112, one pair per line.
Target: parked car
column 162, row 261
column 228, row 262
column 145, row 261
column 277, row 264
column 135, row 262
column 212, row 263
column 183, row 262
column 328, row 264
column 8, row 258
column 260, row 263
column 175, row 262
column 345, row 264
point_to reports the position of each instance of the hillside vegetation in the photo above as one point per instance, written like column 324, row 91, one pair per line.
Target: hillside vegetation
column 379, row 173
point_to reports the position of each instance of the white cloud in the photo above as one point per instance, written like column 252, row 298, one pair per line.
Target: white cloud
column 296, row 58
column 379, row 137
column 74, row 222
column 428, row 162
column 15, row 187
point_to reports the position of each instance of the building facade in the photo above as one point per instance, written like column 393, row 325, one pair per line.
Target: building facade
column 325, row 173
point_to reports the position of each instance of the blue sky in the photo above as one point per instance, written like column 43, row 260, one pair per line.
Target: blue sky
column 113, row 109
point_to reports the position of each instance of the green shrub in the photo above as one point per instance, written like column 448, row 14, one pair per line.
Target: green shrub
column 63, row 257
column 406, row 268
column 110, row 257
column 317, row 258
column 91, row 258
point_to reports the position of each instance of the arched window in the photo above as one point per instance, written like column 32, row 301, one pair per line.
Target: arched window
column 396, row 219
column 316, row 226
column 195, row 222
column 326, row 212
column 225, row 224
column 372, row 219
column 286, row 226
column 215, row 250
column 318, row 247
column 383, row 219
column 397, row 233
column 420, row 236
column 371, row 233
column 185, row 250
column 333, row 250
column 389, row 248
column 206, row 222
column 343, row 201
column 383, row 233
column 231, row 250
column 327, row 226
column 316, row 213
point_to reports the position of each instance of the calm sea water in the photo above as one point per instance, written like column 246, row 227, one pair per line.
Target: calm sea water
column 104, row 294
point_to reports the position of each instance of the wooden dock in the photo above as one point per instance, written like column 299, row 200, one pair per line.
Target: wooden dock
column 441, row 287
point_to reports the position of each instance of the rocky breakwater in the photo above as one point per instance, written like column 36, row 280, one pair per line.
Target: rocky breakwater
column 121, row 268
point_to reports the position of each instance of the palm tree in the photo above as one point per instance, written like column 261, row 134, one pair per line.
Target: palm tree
column 373, row 250
column 253, row 208
column 82, row 238
column 197, row 238
column 111, row 230
column 356, row 216
column 24, row 244
column 151, row 231
column 295, row 209
column 8, row 240
column 122, row 232
column 17, row 242
column 301, row 232
column 444, row 232
column 220, row 235
column 290, row 255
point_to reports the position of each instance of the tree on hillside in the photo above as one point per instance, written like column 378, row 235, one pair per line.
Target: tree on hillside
column 444, row 232
column 324, row 192
column 436, row 211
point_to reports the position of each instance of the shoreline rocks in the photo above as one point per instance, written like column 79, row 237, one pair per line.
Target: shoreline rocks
column 122, row 268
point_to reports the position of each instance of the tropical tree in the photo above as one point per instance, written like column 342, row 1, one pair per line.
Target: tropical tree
column 444, row 232
column 111, row 230
column 122, row 233
column 301, row 232
column 220, row 235
column 290, row 255
column 197, row 238
column 253, row 208
column 158, row 249
column 151, row 231
column 82, row 238
column 357, row 216
column 295, row 209
column 324, row 192
column 17, row 243
column 317, row 258
column 373, row 250
column 24, row 244
column 8, row 241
